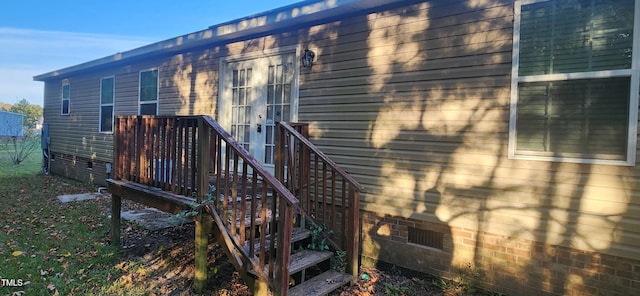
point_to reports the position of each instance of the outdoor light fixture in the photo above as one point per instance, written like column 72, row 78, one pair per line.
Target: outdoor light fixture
column 307, row 58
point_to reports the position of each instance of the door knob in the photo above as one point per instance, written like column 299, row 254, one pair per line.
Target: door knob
column 259, row 124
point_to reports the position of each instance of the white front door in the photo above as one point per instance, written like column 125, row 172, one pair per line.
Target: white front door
column 255, row 94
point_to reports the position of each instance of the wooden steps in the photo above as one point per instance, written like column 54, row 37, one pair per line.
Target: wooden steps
column 297, row 235
column 321, row 284
column 301, row 260
column 303, row 263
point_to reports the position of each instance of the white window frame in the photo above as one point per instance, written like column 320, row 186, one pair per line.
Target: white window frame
column 633, row 73
column 63, row 99
column 140, row 102
column 112, row 105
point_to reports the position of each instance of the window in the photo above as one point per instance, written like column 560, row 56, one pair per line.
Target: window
column 574, row 90
column 148, row 92
column 107, row 91
column 66, row 93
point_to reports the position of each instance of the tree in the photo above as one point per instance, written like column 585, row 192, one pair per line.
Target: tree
column 26, row 137
column 32, row 112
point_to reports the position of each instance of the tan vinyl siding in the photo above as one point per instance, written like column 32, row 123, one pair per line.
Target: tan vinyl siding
column 126, row 94
column 414, row 103
column 424, row 92
column 77, row 133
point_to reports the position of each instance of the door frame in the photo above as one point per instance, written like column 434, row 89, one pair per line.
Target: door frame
column 223, row 117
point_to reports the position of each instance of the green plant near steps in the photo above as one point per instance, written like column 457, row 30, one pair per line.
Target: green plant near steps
column 391, row 289
column 339, row 261
column 318, row 241
column 196, row 208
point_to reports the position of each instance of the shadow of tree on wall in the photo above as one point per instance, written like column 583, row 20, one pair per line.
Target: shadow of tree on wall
column 439, row 75
column 414, row 102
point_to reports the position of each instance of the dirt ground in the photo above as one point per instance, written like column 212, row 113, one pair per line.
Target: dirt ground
column 161, row 262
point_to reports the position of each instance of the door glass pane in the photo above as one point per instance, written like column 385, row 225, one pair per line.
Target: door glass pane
column 279, row 74
column 286, row 115
column 268, row 155
column 240, row 115
column 241, row 110
column 288, row 72
column 247, row 115
column 270, row 80
column 239, row 133
column 270, row 94
column 269, row 132
column 241, row 93
column 278, row 94
column 270, row 116
column 287, row 94
column 280, row 78
column 247, row 135
column 235, row 77
column 234, row 95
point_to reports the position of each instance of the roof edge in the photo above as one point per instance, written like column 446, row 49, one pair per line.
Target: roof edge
column 272, row 20
column 13, row 113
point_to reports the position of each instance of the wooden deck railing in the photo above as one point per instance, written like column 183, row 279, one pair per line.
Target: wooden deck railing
column 194, row 156
column 328, row 195
column 157, row 151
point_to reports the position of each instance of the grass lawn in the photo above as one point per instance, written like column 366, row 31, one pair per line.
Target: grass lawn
column 48, row 247
column 31, row 166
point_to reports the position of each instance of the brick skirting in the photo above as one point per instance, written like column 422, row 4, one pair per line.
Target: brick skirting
column 500, row 263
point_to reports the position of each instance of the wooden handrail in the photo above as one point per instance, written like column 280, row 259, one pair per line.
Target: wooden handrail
column 328, row 195
column 324, row 157
column 178, row 154
column 266, row 175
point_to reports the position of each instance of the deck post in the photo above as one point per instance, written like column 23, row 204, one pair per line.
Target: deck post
column 203, row 228
column 260, row 287
column 203, row 220
column 116, row 205
column 353, row 233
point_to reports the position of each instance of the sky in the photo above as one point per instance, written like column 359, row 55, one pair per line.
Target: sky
column 40, row 36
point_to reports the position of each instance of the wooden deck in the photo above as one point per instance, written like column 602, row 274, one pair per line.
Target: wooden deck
column 191, row 163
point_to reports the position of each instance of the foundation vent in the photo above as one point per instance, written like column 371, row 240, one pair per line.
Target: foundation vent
column 427, row 238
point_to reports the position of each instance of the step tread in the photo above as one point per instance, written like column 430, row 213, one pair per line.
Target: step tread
column 304, row 259
column 322, row 284
column 297, row 235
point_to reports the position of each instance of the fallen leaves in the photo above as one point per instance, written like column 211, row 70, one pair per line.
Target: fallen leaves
column 46, row 242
